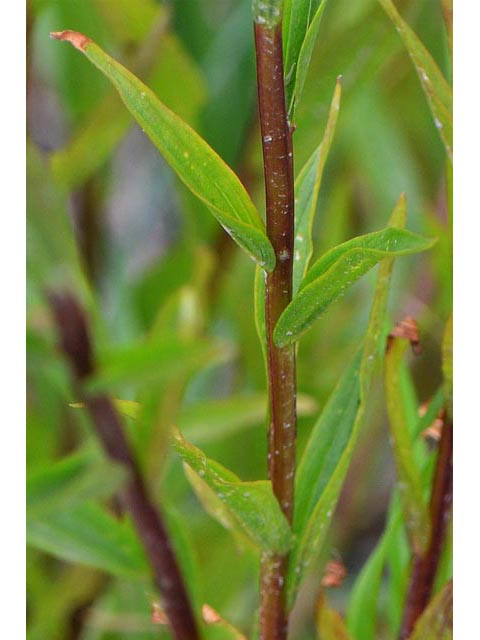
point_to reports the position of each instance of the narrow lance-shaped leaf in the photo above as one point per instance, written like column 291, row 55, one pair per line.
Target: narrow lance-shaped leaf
column 437, row 90
column 252, row 504
column 215, row 506
column 338, row 269
column 362, row 608
column 154, row 361
column 89, row 535
column 361, row 614
column 157, row 59
column 410, row 484
column 259, row 307
column 194, row 161
column 74, row 480
column 329, row 450
column 307, row 187
column 300, row 28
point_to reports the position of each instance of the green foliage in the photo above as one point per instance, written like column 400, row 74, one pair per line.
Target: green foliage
column 328, row 453
column 328, row 279
column 409, row 480
column 362, row 610
column 300, row 28
column 194, row 161
column 68, row 483
column 161, row 58
column 87, row 534
column 172, row 314
column 153, row 361
column 436, row 88
column 307, row 187
column 252, row 504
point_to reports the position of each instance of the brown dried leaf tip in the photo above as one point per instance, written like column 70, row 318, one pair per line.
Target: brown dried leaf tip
column 334, row 575
column 78, row 40
column 210, row 615
column 433, row 432
column 407, row 329
column 158, row 615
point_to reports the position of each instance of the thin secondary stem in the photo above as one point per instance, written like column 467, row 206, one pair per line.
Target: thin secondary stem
column 278, row 170
column 425, row 566
column 75, row 343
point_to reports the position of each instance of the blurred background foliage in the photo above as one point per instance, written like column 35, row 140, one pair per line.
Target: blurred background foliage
column 108, row 219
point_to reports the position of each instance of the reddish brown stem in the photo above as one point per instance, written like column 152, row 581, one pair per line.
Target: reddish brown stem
column 278, row 171
column 75, row 343
column 425, row 566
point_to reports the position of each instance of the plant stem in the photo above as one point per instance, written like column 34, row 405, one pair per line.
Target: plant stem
column 425, row 566
column 75, row 343
column 278, row 171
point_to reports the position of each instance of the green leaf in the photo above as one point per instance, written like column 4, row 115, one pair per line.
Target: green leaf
column 437, row 90
column 362, row 609
column 52, row 258
column 436, row 622
column 252, row 504
column 213, row 505
column 447, row 364
column 329, row 450
column 159, row 58
column 307, row 187
column 300, row 28
column 259, row 306
column 326, row 443
column 89, row 535
column 409, row 478
column 154, row 361
column 70, row 482
column 194, row 161
column 330, row 624
column 338, row 269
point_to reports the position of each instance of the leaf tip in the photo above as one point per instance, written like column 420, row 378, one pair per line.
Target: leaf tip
column 430, row 242
column 398, row 217
column 78, row 40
